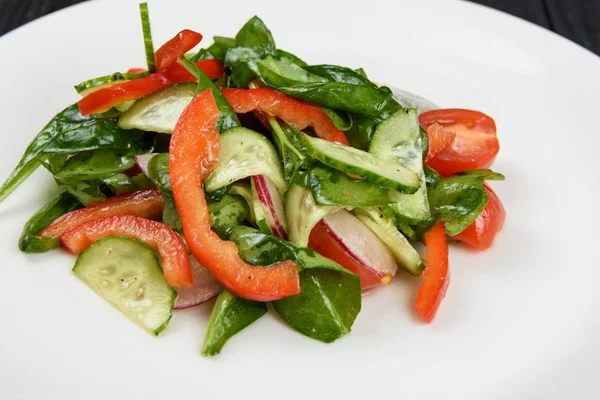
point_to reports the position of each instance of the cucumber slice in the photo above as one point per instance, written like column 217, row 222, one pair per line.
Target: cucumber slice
column 245, row 191
column 406, row 255
column 127, row 274
column 302, row 214
column 357, row 162
column 159, row 112
column 397, row 139
column 245, row 153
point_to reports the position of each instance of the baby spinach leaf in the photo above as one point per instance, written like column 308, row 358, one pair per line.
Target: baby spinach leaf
column 281, row 71
column 295, row 59
column 227, row 213
column 431, row 176
column 230, row 315
column 364, row 126
column 486, row 174
column 330, row 297
column 119, row 183
column 158, row 170
column 358, row 99
column 69, row 133
column 341, row 119
column 86, row 192
column 253, row 41
column 424, row 141
column 327, row 306
column 171, row 216
column 330, row 187
column 94, row 165
column 336, row 73
column 284, row 137
column 454, row 226
column 59, row 206
column 218, row 194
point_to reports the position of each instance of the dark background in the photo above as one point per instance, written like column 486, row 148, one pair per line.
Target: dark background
column 578, row 20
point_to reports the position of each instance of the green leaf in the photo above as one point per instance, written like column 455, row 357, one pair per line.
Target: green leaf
column 363, row 127
column 86, row 192
column 455, row 197
column 119, row 183
column 327, row 306
column 228, row 213
column 94, row 165
column 228, row 118
column 431, row 176
column 330, row 187
column 158, row 171
column 69, row 133
column 218, row 194
column 336, row 73
column 281, row 71
column 330, row 297
column 454, row 226
column 171, row 216
column 291, row 156
column 486, row 174
column 253, row 41
column 341, row 119
column 59, row 206
column 230, row 315
column 295, row 59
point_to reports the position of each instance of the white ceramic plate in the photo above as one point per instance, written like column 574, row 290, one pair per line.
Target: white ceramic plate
column 519, row 321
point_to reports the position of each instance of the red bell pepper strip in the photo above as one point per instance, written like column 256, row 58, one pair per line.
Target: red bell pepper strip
column 193, row 155
column 174, row 258
column 104, row 99
column 147, row 203
column 482, row 232
column 439, row 140
column 436, row 276
column 180, row 44
column 292, row 111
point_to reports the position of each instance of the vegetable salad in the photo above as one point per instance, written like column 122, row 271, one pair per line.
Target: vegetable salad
column 242, row 173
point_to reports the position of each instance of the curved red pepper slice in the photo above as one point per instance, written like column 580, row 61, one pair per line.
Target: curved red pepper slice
column 180, row 44
column 436, row 276
column 174, row 259
column 193, row 156
column 146, row 203
column 292, row 111
column 104, row 99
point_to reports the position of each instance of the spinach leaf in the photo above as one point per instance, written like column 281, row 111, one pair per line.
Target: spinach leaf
column 94, row 165
column 119, row 183
column 358, row 99
column 363, row 126
column 228, row 213
column 486, row 174
column 330, row 297
column 335, row 73
column 330, row 187
column 158, row 170
column 341, row 119
column 284, row 137
column 86, row 192
column 281, row 71
column 70, row 133
column 431, row 176
column 171, row 216
column 228, row 119
column 29, row 242
column 253, row 41
column 295, row 59
column 327, row 306
column 424, row 141
column 458, row 200
column 230, row 315
column 218, row 194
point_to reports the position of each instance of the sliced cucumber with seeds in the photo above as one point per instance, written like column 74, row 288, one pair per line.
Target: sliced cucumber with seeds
column 357, row 162
column 405, row 254
column 397, row 139
column 127, row 274
column 159, row 111
column 245, row 153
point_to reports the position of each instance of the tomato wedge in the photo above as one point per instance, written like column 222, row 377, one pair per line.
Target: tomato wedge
column 292, row 111
column 174, row 259
column 475, row 146
column 104, row 99
column 180, row 44
column 436, row 276
column 439, row 140
column 325, row 244
column 193, row 156
column 147, row 203
column 482, row 232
